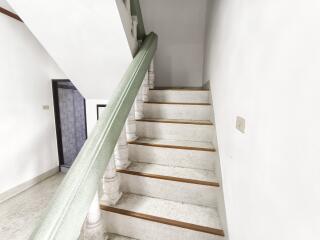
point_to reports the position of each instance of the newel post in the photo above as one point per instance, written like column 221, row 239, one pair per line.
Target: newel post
column 93, row 227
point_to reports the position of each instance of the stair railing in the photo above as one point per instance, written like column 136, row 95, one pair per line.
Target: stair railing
column 136, row 11
column 76, row 198
column 130, row 24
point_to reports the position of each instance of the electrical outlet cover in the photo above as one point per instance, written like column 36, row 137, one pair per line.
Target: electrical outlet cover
column 241, row 124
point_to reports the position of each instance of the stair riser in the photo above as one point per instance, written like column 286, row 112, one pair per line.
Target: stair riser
column 190, row 132
column 170, row 190
column 173, row 157
column 179, row 96
column 148, row 230
column 176, row 111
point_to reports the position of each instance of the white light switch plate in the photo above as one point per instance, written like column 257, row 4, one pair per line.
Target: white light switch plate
column 45, row 107
column 241, row 124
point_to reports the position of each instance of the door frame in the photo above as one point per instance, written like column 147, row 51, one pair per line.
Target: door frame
column 55, row 94
column 98, row 109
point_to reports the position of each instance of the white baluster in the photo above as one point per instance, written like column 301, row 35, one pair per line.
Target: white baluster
column 134, row 33
column 139, row 104
column 128, row 5
column 145, row 89
column 111, row 184
column 151, row 74
column 134, row 27
column 131, row 125
column 93, row 227
column 121, row 153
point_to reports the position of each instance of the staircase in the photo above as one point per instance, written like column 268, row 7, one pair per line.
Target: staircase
column 170, row 189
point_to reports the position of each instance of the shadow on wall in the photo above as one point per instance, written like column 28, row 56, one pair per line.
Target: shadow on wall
column 180, row 25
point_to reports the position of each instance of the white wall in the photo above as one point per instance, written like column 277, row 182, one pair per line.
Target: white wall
column 4, row 4
column 86, row 38
column 28, row 144
column 91, row 111
column 263, row 61
column 180, row 25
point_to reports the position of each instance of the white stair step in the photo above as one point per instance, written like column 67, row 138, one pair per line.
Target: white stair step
column 148, row 218
column 179, row 95
column 176, row 130
column 182, row 121
column 189, row 154
column 172, row 110
column 196, row 176
column 186, row 185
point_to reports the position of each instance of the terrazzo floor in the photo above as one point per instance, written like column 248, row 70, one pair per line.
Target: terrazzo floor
column 20, row 214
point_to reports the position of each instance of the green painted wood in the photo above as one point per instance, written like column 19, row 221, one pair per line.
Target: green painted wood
column 68, row 208
column 136, row 11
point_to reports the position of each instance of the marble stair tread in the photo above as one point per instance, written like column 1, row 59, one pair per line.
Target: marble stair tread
column 177, row 110
column 200, row 216
column 192, row 145
column 181, row 174
column 177, row 121
column 179, row 95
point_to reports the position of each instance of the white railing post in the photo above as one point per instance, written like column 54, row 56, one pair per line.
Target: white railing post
column 131, row 125
column 111, row 184
column 128, row 5
column 121, row 152
column 93, row 227
column 145, row 89
column 65, row 221
column 151, row 74
column 139, row 104
column 134, row 32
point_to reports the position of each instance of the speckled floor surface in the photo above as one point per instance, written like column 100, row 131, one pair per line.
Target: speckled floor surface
column 117, row 237
column 20, row 214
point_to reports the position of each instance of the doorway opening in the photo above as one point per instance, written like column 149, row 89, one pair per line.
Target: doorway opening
column 70, row 119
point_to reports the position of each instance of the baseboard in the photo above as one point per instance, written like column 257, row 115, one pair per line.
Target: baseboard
column 64, row 168
column 24, row 186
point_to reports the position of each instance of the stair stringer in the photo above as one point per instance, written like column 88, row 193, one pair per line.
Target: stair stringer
column 220, row 197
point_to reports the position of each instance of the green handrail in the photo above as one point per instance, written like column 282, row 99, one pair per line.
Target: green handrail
column 136, row 11
column 68, row 208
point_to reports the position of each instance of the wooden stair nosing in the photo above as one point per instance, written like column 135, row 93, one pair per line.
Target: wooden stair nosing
column 169, row 178
column 162, row 220
column 173, row 121
column 172, row 146
column 178, row 89
column 179, row 103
